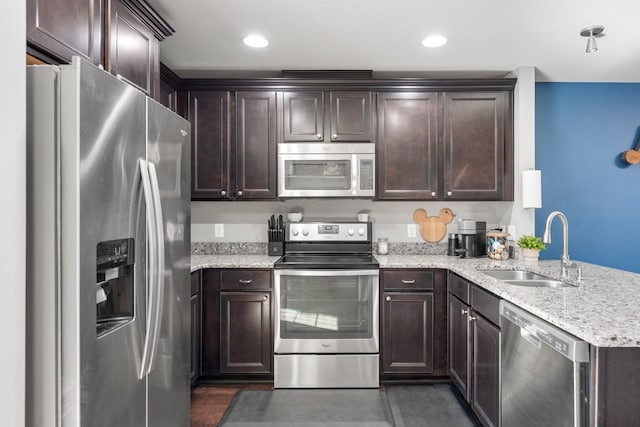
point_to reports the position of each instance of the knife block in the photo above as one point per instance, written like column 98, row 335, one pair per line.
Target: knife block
column 276, row 248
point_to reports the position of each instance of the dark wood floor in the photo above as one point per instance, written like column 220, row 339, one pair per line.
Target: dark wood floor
column 208, row 402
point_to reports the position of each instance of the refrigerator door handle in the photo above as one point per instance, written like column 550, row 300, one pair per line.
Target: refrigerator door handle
column 153, row 272
column 159, row 294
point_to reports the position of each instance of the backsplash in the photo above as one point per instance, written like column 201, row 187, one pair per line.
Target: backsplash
column 228, row 248
column 247, row 221
column 260, row 248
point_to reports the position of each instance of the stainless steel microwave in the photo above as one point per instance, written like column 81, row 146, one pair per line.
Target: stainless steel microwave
column 326, row 170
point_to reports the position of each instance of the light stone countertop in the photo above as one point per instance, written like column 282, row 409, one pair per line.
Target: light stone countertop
column 601, row 309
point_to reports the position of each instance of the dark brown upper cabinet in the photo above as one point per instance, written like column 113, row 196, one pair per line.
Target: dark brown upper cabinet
column 406, row 148
column 233, row 147
column 124, row 35
column 445, row 146
column 133, row 50
column 256, row 145
column 169, row 82
column 333, row 116
column 210, row 143
column 57, row 30
column 477, row 146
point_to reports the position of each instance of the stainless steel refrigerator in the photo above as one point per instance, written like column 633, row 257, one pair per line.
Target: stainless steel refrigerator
column 108, row 314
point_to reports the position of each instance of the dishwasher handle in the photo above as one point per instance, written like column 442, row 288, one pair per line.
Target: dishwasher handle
column 560, row 341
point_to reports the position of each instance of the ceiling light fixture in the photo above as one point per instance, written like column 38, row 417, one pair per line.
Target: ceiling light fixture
column 592, row 33
column 434, row 40
column 255, row 40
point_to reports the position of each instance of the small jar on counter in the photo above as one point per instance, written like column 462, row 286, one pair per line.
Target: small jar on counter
column 383, row 246
column 498, row 245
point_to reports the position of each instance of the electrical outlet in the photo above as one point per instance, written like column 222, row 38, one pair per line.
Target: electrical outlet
column 411, row 230
column 219, row 230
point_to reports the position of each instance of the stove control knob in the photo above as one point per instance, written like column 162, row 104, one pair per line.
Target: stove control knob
column 361, row 231
column 294, row 231
column 305, row 232
column 351, row 232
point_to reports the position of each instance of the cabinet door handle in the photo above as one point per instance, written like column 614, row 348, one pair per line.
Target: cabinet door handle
column 472, row 318
column 245, row 282
column 334, row 136
column 266, row 297
column 239, row 193
column 408, row 282
column 463, row 311
column 319, row 136
column 433, row 194
column 388, row 298
column 223, row 193
column 449, row 193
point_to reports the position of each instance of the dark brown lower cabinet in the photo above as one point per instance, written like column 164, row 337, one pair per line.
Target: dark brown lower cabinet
column 210, row 326
column 474, row 347
column 485, row 370
column 236, row 339
column 413, row 324
column 459, row 344
column 408, row 325
column 195, row 326
column 615, row 386
column 245, row 332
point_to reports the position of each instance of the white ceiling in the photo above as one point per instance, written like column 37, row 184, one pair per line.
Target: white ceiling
column 385, row 35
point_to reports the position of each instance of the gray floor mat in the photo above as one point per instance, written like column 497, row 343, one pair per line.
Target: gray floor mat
column 434, row 405
column 308, row 408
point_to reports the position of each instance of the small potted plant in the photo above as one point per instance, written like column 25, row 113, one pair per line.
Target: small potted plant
column 531, row 247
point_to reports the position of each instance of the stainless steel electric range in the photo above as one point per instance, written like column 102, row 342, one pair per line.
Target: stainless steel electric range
column 326, row 306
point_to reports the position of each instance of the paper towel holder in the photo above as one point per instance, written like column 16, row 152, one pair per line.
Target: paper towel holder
column 531, row 189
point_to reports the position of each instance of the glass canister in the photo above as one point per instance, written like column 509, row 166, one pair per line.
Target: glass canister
column 498, row 244
column 383, row 246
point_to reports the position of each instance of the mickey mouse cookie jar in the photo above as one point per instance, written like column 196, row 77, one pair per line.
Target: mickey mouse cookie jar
column 497, row 244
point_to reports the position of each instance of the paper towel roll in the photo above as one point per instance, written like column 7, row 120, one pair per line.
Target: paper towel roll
column 531, row 189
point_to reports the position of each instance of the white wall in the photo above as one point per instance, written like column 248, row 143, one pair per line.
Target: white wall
column 13, row 213
column 524, row 146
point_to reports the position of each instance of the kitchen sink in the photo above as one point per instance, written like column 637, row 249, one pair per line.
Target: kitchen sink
column 538, row 283
column 525, row 278
column 513, row 275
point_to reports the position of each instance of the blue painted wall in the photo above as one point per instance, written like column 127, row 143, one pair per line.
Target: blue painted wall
column 581, row 130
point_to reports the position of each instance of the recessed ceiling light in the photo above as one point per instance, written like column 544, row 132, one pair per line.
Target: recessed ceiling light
column 255, row 40
column 434, row 40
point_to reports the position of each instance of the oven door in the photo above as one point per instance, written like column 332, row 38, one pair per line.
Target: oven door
column 326, row 311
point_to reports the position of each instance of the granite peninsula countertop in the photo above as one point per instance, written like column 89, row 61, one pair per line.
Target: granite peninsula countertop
column 601, row 309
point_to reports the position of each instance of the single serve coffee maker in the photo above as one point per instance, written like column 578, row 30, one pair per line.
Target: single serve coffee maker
column 472, row 238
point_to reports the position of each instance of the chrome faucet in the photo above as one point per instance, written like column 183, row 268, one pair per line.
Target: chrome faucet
column 565, row 262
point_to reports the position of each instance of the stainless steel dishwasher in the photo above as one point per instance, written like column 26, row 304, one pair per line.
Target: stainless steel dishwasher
column 544, row 372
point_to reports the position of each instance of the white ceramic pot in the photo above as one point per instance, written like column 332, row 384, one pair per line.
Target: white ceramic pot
column 530, row 255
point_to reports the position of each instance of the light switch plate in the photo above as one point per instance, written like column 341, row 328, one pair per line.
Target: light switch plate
column 411, row 230
column 219, row 230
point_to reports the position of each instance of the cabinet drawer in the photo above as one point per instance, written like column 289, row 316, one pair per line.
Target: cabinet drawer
column 486, row 304
column 408, row 280
column 239, row 280
column 459, row 287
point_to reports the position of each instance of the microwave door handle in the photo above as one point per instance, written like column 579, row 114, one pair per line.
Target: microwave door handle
column 355, row 172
